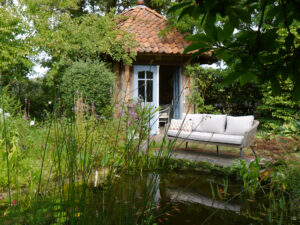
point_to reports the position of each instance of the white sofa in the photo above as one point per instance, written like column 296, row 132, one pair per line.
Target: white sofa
column 214, row 129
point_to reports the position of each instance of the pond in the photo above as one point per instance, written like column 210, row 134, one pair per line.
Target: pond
column 176, row 198
column 199, row 198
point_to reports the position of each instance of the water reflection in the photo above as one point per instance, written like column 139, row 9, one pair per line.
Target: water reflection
column 153, row 184
column 184, row 196
column 187, row 198
column 177, row 198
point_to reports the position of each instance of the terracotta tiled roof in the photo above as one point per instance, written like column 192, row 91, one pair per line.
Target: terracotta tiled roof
column 146, row 24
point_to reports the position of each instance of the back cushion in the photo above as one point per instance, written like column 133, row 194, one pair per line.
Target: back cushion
column 212, row 124
column 180, row 125
column 195, row 118
column 238, row 125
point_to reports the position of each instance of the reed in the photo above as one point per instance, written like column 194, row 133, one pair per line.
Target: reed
column 89, row 169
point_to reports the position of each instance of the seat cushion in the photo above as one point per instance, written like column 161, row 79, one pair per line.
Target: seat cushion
column 228, row 139
column 212, row 124
column 238, row 125
column 219, row 138
column 208, row 137
column 201, row 136
column 180, row 134
column 195, row 118
column 181, row 125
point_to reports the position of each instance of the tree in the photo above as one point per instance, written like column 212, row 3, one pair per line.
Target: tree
column 82, row 7
column 15, row 50
column 67, row 39
column 258, row 38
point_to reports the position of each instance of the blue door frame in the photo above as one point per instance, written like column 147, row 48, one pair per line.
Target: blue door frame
column 177, row 93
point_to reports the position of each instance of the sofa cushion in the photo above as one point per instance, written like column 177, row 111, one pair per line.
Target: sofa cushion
column 208, row 137
column 212, row 124
column 228, row 139
column 201, row 136
column 195, row 118
column 238, row 125
column 181, row 125
column 219, row 138
column 180, row 134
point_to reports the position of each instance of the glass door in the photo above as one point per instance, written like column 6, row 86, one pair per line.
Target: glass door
column 146, row 89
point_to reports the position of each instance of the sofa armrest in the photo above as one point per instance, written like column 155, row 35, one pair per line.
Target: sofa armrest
column 250, row 134
column 167, row 125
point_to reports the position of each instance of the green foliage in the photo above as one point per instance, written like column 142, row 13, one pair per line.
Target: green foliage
column 59, row 158
column 203, row 79
column 9, row 136
column 67, row 39
column 14, row 45
column 250, row 176
column 280, row 113
column 277, row 185
column 277, row 114
column 79, row 7
column 34, row 95
column 9, row 102
column 90, row 79
column 265, row 45
column 211, row 95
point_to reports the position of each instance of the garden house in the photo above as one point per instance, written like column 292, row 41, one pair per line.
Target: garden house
column 157, row 76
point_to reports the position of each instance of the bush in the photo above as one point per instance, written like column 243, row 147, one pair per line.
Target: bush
column 8, row 102
column 34, row 96
column 280, row 113
column 90, row 79
column 203, row 80
column 277, row 114
column 210, row 95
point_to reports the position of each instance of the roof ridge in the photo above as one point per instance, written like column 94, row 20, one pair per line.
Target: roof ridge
column 134, row 16
column 155, row 13
column 138, row 7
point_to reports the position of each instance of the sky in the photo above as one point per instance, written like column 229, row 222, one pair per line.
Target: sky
column 38, row 69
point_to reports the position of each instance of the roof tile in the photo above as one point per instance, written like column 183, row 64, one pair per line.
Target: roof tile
column 146, row 24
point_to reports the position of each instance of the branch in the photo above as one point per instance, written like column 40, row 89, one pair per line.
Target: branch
column 286, row 23
column 259, row 36
column 259, row 26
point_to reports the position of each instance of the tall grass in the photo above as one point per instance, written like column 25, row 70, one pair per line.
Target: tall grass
column 6, row 144
column 59, row 159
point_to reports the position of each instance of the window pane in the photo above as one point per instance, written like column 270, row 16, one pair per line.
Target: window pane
column 141, row 89
column 149, row 90
column 149, row 75
column 141, row 75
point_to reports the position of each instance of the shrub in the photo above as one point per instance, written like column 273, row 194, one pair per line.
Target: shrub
column 211, row 95
column 34, row 95
column 90, row 79
column 281, row 113
column 203, row 79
